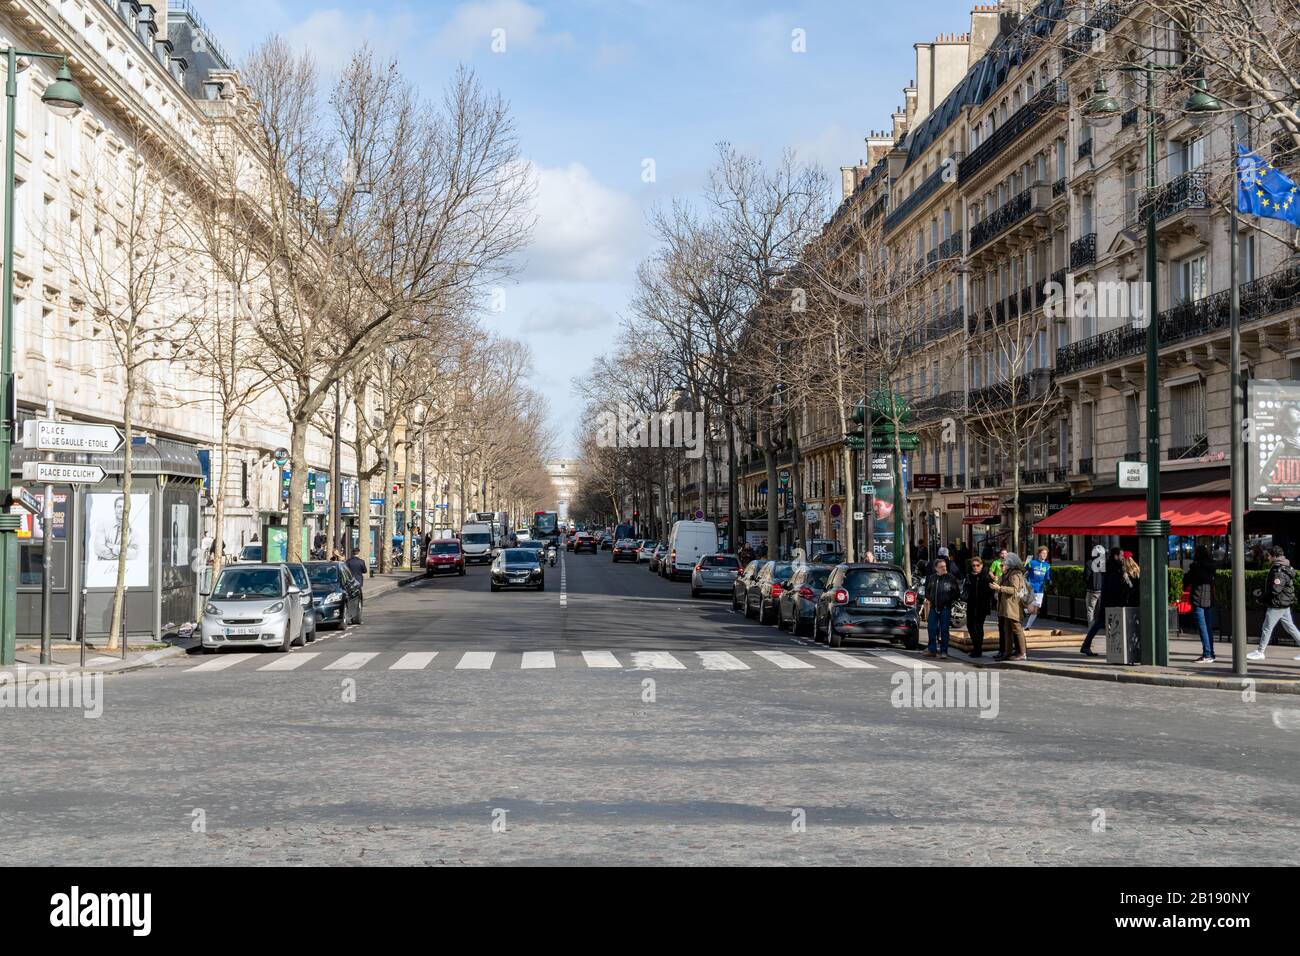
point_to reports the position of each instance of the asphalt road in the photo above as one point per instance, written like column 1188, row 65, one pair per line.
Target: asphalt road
column 615, row 720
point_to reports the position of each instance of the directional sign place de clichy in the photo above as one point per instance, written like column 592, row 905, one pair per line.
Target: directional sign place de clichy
column 57, row 473
column 41, row 434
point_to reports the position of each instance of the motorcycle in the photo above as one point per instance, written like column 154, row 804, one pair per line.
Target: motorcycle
column 551, row 552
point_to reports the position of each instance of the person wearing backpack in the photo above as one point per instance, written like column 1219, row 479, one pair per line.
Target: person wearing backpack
column 1278, row 596
column 1013, row 597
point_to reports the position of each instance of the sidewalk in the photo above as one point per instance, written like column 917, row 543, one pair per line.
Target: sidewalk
column 66, row 655
column 1058, row 655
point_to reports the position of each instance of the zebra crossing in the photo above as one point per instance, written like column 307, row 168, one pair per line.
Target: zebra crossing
column 793, row 660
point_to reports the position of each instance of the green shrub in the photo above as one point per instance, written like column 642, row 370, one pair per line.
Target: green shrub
column 1066, row 581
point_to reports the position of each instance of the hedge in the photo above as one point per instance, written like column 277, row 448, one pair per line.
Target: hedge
column 1068, row 581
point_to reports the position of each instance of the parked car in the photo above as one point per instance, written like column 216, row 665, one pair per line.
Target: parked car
column 335, row 594
column 767, row 590
column 644, row 549
column 250, row 554
column 518, row 568
column 744, row 581
column 583, row 541
column 298, row 572
column 714, row 573
column 690, row 541
column 867, row 601
column 798, row 604
column 445, row 555
column 624, row 550
column 252, row 605
column 656, row 557
column 830, row 558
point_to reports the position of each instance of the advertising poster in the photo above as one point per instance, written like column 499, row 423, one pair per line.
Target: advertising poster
column 180, row 534
column 104, row 540
column 1274, row 475
column 882, row 506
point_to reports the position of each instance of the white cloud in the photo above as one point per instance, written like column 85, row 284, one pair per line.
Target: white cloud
column 332, row 35
column 585, row 231
column 568, row 315
column 472, row 27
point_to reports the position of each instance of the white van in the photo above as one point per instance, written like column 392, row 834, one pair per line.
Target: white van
column 476, row 542
column 689, row 541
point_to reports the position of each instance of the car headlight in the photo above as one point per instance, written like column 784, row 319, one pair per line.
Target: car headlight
column 211, row 609
column 334, row 598
column 275, row 608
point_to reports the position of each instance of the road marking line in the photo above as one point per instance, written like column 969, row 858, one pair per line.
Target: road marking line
column 414, row 661
column 351, row 661
column 721, row 661
column 564, row 586
column 534, row 660
column 292, row 662
column 659, row 660
column 844, row 660
column 784, row 661
column 476, row 661
column 901, row 660
column 600, row 659
column 220, row 663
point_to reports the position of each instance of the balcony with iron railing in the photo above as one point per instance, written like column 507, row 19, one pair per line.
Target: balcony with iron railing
column 938, row 406
column 928, row 187
column 1058, row 188
column 936, row 329
column 1263, row 297
column 1086, row 466
column 1007, row 215
column 1083, row 251
column 1187, row 191
column 1031, row 386
column 1052, row 96
column 1085, row 148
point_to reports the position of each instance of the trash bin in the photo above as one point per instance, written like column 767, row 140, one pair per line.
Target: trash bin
column 1122, row 644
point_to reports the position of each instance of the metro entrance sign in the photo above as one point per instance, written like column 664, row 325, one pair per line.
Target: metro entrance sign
column 57, row 473
column 41, row 434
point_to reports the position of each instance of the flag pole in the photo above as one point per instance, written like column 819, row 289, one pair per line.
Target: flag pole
column 1238, row 472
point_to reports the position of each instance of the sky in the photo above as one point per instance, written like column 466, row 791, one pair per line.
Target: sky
column 620, row 105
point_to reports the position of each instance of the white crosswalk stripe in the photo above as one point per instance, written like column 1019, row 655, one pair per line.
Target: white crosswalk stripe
column 351, row 662
column 844, row 660
column 476, row 661
column 600, row 659
column 783, row 660
column 721, row 661
column 414, row 661
column 221, row 663
column 902, row 661
column 656, row 660
column 536, row 660
column 289, row 663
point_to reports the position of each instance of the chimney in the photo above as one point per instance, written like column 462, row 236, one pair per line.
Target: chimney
column 940, row 66
column 848, row 181
column 983, row 31
column 909, row 101
column 879, row 143
column 899, row 118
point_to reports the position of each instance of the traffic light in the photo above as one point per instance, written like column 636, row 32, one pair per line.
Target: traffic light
column 395, row 489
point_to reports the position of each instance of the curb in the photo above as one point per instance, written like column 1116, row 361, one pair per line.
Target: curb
column 1261, row 684
column 148, row 659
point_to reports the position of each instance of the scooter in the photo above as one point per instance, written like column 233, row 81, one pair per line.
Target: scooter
column 551, row 552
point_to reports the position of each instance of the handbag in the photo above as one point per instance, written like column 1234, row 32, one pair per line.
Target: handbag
column 1185, row 603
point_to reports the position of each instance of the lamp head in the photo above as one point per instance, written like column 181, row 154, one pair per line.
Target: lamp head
column 62, row 96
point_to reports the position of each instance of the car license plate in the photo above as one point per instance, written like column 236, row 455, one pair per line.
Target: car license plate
column 240, row 631
column 876, row 601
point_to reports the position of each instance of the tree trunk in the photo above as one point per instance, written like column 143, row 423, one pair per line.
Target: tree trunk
column 773, row 525
column 796, row 490
column 115, row 630
column 901, row 537
column 297, row 486
column 219, row 516
column 386, row 531
column 733, row 514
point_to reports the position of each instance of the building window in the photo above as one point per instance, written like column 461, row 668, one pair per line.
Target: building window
column 1132, row 424
column 1187, row 415
column 1192, row 279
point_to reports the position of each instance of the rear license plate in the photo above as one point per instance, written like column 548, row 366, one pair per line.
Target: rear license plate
column 876, row 601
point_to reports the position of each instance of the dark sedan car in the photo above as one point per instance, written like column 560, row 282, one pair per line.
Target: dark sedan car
column 744, row 581
column 519, row 568
column 625, row 549
column 335, row 594
column 868, row 600
column 767, row 589
column 798, row 604
column 584, row 542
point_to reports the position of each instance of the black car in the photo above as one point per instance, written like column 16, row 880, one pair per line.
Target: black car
column 798, row 604
column 867, row 601
column 335, row 593
column 625, row 549
column 584, row 542
column 767, row 589
column 744, row 581
column 519, row 568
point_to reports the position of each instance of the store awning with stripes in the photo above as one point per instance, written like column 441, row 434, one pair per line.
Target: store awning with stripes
column 1196, row 515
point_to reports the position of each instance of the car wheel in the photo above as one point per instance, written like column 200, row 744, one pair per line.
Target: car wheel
column 800, row 628
column 832, row 638
column 462, row 571
column 356, row 618
column 494, row 587
column 695, row 592
column 207, row 650
column 764, row 614
column 284, row 645
column 749, row 612
column 428, row 572
column 912, row 641
column 735, row 605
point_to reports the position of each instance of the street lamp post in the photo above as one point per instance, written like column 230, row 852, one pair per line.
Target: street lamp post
column 63, row 97
column 1153, row 532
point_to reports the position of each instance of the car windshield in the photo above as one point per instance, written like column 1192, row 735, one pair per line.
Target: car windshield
column 252, row 552
column 720, row 561
column 476, row 537
column 445, row 547
column 782, row 570
column 236, row 583
column 520, row 556
column 323, row 573
column 875, row 581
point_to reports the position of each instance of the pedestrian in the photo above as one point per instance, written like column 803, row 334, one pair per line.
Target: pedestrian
column 1132, row 581
column 357, row 565
column 995, row 569
column 1114, row 593
column 1038, row 574
column 1013, row 596
column 963, row 557
column 1278, row 595
column 978, row 593
column 941, row 592
column 746, row 554
column 1094, row 579
column 1199, row 582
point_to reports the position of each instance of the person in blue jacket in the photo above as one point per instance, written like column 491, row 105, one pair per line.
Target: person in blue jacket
column 1037, row 573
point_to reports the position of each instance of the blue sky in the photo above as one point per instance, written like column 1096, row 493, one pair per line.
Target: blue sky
column 597, row 88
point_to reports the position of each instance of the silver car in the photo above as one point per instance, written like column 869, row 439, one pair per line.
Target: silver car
column 253, row 605
column 714, row 572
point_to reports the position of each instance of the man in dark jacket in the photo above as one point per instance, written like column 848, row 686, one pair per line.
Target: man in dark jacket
column 1199, row 582
column 1114, row 593
column 1278, row 596
column 979, row 602
column 941, row 592
column 357, row 565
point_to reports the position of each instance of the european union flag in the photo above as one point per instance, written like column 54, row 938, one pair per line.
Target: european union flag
column 1262, row 190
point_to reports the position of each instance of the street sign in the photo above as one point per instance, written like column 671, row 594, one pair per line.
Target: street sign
column 907, row 441
column 1131, row 474
column 41, row 434
column 784, row 476
column 858, row 516
column 57, row 473
column 868, row 489
column 27, row 500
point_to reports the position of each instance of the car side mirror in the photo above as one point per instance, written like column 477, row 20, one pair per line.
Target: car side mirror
column 294, row 589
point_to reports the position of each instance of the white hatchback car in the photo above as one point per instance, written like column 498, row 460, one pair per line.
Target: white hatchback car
column 253, row 605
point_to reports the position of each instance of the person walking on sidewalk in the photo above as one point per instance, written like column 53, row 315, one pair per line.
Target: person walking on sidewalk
column 1114, row 593
column 978, row 592
column 1278, row 595
column 941, row 592
column 1037, row 574
column 357, row 565
column 1013, row 595
column 1199, row 582
column 1094, row 581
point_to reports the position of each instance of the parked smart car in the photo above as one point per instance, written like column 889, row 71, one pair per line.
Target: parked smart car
column 744, row 581
column 714, row 573
column 518, row 568
column 798, row 604
column 445, row 555
column 767, row 590
column 867, row 601
column 252, row 605
column 335, row 594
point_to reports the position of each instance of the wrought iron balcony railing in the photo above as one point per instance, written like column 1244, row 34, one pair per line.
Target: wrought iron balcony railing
column 1187, row 191
column 1086, row 467
column 1058, row 188
column 1129, row 118
column 1043, row 102
column 929, row 186
column 1085, row 148
column 1011, row 212
column 1196, row 449
column 1024, row 388
column 951, row 246
column 1083, row 251
column 938, row 406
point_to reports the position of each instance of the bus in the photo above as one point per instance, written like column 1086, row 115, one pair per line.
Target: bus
column 545, row 525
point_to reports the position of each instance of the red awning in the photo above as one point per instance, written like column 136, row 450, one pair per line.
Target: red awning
column 1187, row 516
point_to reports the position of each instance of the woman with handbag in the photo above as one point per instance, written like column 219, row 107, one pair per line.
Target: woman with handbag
column 1013, row 596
